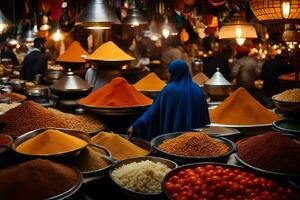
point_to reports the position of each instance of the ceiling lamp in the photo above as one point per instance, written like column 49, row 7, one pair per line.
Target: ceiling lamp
column 238, row 29
column 97, row 15
column 4, row 23
column 272, row 11
column 135, row 17
column 57, row 36
column 291, row 36
column 45, row 23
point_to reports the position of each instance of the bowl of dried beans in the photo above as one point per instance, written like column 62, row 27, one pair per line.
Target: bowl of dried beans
column 189, row 147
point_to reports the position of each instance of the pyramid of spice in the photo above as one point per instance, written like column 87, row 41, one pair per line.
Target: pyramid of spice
column 194, row 144
column 117, row 93
column 271, row 151
column 73, row 53
column 51, row 142
column 150, row 82
column 240, row 108
column 109, row 52
column 36, row 179
column 119, row 147
column 30, row 116
column 200, row 78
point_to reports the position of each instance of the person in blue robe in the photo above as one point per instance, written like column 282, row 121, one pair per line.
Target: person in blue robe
column 180, row 106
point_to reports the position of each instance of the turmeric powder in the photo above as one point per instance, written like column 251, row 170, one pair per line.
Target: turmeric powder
column 51, row 142
column 240, row 108
column 117, row 93
column 150, row 82
column 119, row 147
column 73, row 53
column 200, row 78
column 109, row 52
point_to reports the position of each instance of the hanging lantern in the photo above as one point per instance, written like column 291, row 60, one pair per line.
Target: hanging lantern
column 272, row 11
column 184, row 36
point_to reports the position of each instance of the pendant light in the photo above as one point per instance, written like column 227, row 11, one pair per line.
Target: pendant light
column 5, row 24
column 276, row 10
column 134, row 16
column 238, row 29
column 291, row 36
column 97, row 15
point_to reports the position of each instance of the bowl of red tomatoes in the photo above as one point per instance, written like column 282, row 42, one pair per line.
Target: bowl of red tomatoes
column 223, row 181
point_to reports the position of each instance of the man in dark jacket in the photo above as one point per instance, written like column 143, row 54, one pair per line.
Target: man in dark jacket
column 35, row 62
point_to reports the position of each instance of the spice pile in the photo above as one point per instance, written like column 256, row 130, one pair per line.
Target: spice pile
column 36, row 179
column 271, row 151
column 14, row 97
column 51, row 142
column 109, row 52
column 117, row 93
column 30, row 116
column 194, row 144
column 119, row 147
column 4, row 139
column 150, row 82
column 144, row 176
column 240, row 108
column 90, row 159
column 292, row 95
column 200, row 78
column 224, row 182
column 73, row 53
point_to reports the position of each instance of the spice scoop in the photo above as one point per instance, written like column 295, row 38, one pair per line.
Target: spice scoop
column 53, row 143
column 107, row 157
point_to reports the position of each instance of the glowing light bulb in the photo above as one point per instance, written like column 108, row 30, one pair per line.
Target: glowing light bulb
column 238, row 32
column 166, row 32
column 286, row 8
column 57, row 36
column 240, row 41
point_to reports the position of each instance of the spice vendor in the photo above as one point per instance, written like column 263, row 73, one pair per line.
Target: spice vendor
column 180, row 106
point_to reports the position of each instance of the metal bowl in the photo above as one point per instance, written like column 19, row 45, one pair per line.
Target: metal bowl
column 17, row 84
column 139, row 195
column 150, row 93
column 288, row 108
column 51, row 77
column 218, row 92
column 4, row 80
column 116, row 111
column 38, row 90
column 155, row 142
column 6, row 89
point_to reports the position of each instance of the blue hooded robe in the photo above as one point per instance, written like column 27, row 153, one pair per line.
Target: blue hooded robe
column 180, row 106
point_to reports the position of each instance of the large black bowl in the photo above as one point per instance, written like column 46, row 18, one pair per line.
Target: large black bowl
column 155, row 142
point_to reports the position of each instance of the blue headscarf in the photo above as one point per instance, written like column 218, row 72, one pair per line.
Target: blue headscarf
column 180, row 106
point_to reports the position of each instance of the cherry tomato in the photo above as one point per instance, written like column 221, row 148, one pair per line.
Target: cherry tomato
column 209, row 167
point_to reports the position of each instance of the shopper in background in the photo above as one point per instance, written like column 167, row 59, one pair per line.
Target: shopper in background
column 6, row 52
column 180, row 106
column 271, row 70
column 35, row 62
column 245, row 70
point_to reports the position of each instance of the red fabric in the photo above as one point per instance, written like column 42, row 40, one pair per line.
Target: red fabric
column 217, row 2
column 56, row 10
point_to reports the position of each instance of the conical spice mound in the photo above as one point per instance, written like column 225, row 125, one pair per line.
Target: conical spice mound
column 73, row 53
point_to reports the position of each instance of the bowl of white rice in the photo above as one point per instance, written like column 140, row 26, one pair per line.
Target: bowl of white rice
column 141, row 177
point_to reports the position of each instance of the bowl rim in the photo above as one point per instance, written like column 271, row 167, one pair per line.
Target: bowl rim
column 226, row 141
column 239, row 126
column 284, row 102
column 113, row 107
column 276, row 123
column 115, row 165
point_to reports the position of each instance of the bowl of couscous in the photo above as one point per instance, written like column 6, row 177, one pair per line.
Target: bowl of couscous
column 288, row 102
column 141, row 177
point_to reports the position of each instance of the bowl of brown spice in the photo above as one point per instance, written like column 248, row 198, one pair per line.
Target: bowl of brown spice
column 190, row 147
column 288, row 102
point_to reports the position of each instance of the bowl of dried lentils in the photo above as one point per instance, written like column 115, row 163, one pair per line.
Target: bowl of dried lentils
column 288, row 102
column 190, row 147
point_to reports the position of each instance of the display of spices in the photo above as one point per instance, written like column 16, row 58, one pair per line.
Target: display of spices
column 200, row 78
column 36, row 179
column 14, row 97
column 90, row 159
column 144, row 176
column 109, row 51
column 271, row 151
column 150, row 82
column 73, row 53
column 117, row 93
column 51, row 142
column 288, row 77
column 194, row 144
column 119, row 147
column 291, row 95
column 30, row 116
column 209, row 181
column 240, row 108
